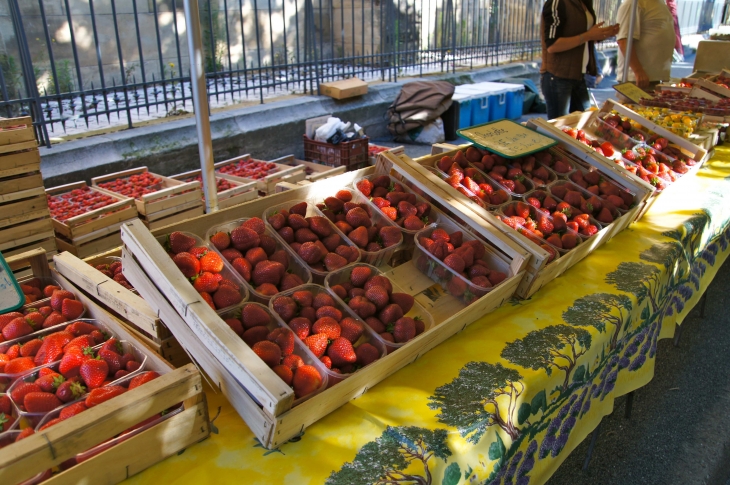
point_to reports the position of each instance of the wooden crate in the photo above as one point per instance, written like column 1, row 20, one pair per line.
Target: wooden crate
column 312, row 171
column 50, row 448
column 539, row 272
column 240, row 192
column 110, row 294
column 174, row 202
column 262, row 399
column 17, row 134
column 266, row 185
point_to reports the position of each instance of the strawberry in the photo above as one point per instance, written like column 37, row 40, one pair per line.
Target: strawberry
column 226, row 296
column 299, row 208
column 256, row 224
column 292, row 361
column 285, row 373
column 403, row 300
column 81, row 328
column 8, row 317
column 390, row 236
column 50, row 382
column 40, row 402
column 18, row 327
column 605, row 216
column 13, row 352
column 231, row 254
column 5, row 404
column 206, row 282
column 362, row 307
column 289, row 281
column 254, row 335
column 545, row 226
column 48, row 290
column 35, row 319
column 327, row 326
column 72, row 360
column 390, row 314
column 333, row 261
column 285, row 306
column 412, row 223
column 350, row 329
column 132, row 366
column 320, row 226
column 243, row 267
column 267, row 351
column 306, row 380
column 254, row 316
column 30, row 348
column 235, row 325
column 390, row 212
column 360, row 275
column 143, row 378
column 22, row 389
column 378, row 296
column 359, row 236
column 180, row 242
column 52, row 348
column 317, row 343
column 72, row 410
column 113, row 360
column 198, row 251
column 24, row 434
column 188, row 264
column 404, row 329
column 221, row 240
column 103, row 394
column 268, row 272
column 455, row 262
column 341, row 352
column 72, row 309
column 569, row 240
column 6, row 421
column 57, row 298
column 244, row 238
column 496, row 277
column 284, row 338
column 378, row 280
column 311, row 253
column 301, row 327
column 211, row 262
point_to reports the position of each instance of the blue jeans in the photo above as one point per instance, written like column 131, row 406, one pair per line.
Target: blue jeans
column 563, row 96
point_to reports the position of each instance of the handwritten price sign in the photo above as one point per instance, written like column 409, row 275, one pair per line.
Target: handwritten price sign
column 507, row 138
column 11, row 297
column 632, row 91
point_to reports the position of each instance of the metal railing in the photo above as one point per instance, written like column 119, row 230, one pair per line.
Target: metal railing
column 83, row 65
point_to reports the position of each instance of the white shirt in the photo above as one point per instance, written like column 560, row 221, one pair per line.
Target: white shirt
column 586, row 56
column 653, row 38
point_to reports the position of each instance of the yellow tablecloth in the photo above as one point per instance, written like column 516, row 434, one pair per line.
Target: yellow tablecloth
column 507, row 399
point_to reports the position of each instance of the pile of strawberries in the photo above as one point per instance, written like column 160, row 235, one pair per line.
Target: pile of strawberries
column 114, row 271
column 564, row 215
column 601, row 210
column 313, row 238
column 465, row 258
column 251, row 169
column 397, row 204
column 254, row 255
column 603, row 148
column 32, row 290
column 135, row 186
column 203, row 268
column 371, row 297
column 653, row 166
column 77, row 202
column 355, row 222
column 81, row 369
column 537, row 226
column 323, row 327
column 596, row 184
column 275, row 348
column 470, row 182
column 62, row 307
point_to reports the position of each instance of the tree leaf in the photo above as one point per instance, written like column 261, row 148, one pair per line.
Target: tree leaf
column 452, row 474
column 539, row 402
column 580, row 374
column 497, row 449
column 645, row 313
column 523, row 413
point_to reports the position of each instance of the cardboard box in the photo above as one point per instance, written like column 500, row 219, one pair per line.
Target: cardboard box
column 347, row 88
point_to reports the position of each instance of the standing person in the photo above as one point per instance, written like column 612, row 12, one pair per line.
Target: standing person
column 672, row 6
column 653, row 46
column 569, row 30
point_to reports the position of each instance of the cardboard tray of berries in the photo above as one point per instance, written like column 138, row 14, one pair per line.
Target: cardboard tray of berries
column 312, row 171
column 79, row 210
column 156, row 196
column 127, row 410
column 266, row 174
column 17, row 134
column 231, row 190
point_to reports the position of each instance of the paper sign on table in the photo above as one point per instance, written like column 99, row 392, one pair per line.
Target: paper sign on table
column 632, row 91
column 507, row 138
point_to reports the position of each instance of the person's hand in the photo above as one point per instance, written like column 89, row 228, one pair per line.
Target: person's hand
column 599, row 33
column 642, row 79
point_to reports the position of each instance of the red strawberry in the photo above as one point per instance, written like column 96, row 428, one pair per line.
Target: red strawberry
column 103, row 394
column 72, row 360
column 244, row 238
column 310, row 253
column 403, row 300
column 360, row 275
column 254, row 335
column 132, row 365
column 71, row 309
column 284, row 338
column 365, row 187
column 143, row 378
column 412, row 223
column 24, row 434
column 206, row 282
column 378, row 280
column 362, row 307
column 322, row 299
column 306, row 380
column 21, row 389
column 50, row 382
column 299, row 208
column 72, row 410
column 327, row 326
column 285, row 373
column 235, row 325
column 289, row 281
column 404, row 329
column 5, row 404
column 333, row 261
column 350, row 329
column 198, row 251
column 30, row 348
column 390, row 236
column 390, row 314
column 301, row 327
column 180, row 242
column 341, row 352
column 256, row 224
column 320, row 226
column 17, row 328
column 569, row 241
column 378, row 296
column 48, row 290
column 94, row 372
column 268, row 351
column 292, row 361
column 254, row 316
column 188, row 264
column 268, row 272
column 113, row 361
column 605, row 216
column 221, row 240
column 41, row 402
column 390, row 212
column 231, row 254
column 35, row 319
column 211, row 262
column 366, row 354
column 455, row 262
column 226, row 296
column 58, row 297
column 317, row 343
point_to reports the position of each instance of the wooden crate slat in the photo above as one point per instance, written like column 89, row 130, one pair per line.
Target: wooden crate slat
column 23, row 194
column 49, row 245
column 89, row 249
column 35, row 258
column 25, row 233
column 23, row 210
column 175, row 209
column 21, row 162
column 20, row 184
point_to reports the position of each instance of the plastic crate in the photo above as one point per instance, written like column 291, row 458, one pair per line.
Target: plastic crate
column 352, row 154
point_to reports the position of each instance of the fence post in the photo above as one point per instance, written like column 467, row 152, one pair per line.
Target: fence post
column 28, row 75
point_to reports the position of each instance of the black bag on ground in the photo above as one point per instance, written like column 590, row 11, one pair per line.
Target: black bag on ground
column 418, row 104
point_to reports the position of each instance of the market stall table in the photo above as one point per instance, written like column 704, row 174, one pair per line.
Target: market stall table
column 507, row 399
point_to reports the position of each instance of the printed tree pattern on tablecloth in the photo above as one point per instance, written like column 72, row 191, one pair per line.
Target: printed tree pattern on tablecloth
column 481, row 402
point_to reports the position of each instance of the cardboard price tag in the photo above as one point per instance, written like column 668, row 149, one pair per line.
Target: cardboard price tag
column 507, row 138
column 632, row 91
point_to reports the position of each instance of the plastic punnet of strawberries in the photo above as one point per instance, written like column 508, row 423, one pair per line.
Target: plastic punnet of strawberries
column 397, row 204
column 135, row 186
column 371, row 297
column 598, row 185
column 77, row 202
column 313, row 238
column 604, row 148
column 581, row 202
column 333, row 337
column 464, row 258
column 540, row 228
column 355, row 220
column 469, row 181
column 252, row 169
column 275, row 346
column 563, row 214
column 62, row 307
column 254, row 255
column 113, row 270
column 204, row 269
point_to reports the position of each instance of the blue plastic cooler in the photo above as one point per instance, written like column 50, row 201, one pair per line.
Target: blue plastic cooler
column 494, row 101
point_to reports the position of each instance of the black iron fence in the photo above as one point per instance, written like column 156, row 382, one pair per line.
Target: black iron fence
column 82, row 65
